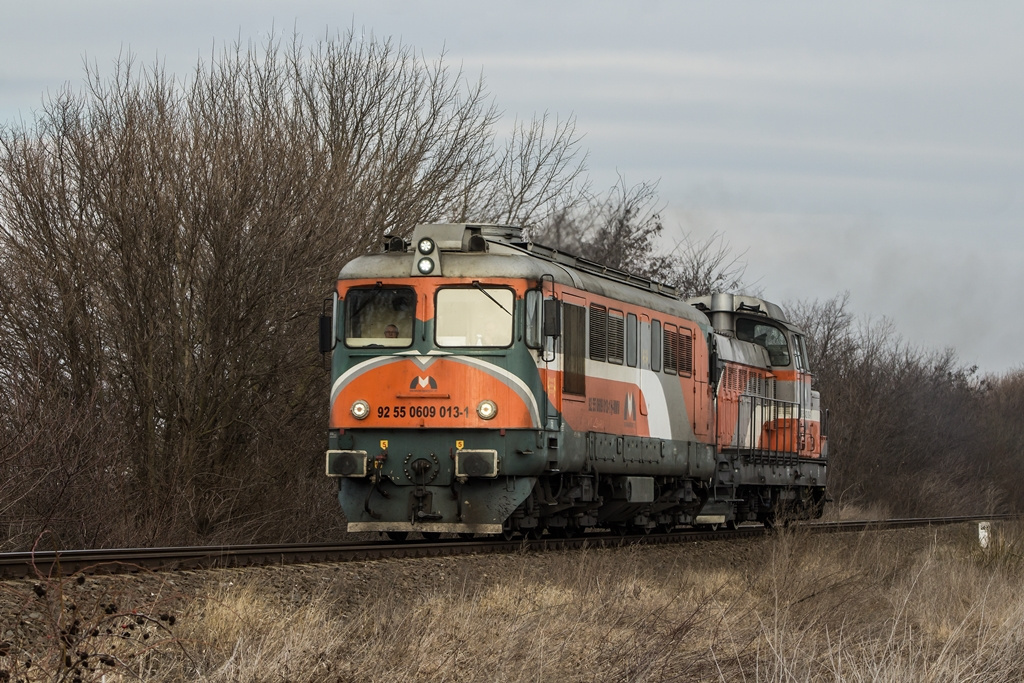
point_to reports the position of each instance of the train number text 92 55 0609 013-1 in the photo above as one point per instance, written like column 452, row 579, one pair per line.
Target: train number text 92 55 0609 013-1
column 386, row 412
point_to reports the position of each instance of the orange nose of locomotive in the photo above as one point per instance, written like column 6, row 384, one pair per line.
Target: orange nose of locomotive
column 432, row 391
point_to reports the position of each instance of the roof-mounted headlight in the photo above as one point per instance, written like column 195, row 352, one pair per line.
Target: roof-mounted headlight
column 428, row 257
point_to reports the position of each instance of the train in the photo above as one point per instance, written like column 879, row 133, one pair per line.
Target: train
column 482, row 383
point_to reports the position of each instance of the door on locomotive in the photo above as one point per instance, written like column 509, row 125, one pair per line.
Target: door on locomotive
column 542, row 332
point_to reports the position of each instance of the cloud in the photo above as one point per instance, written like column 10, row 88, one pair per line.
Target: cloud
column 940, row 290
column 870, row 146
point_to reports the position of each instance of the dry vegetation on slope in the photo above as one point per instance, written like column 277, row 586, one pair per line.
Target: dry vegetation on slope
column 908, row 605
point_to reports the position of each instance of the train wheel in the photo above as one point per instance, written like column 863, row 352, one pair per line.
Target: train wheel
column 397, row 535
column 431, row 535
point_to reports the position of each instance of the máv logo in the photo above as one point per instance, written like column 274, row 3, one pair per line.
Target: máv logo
column 630, row 408
column 423, row 383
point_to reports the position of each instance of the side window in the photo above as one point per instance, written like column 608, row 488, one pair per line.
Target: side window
column 631, row 340
column 656, row 345
column 534, row 305
column 598, row 332
column 800, row 358
column 616, row 334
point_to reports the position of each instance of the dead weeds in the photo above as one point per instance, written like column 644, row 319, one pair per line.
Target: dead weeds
column 906, row 605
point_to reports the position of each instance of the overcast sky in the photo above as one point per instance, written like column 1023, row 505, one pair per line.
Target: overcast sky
column 875, row 148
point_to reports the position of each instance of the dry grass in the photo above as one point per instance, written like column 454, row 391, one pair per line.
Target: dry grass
column 794, row 607
column 875, row 510
column 911, row 605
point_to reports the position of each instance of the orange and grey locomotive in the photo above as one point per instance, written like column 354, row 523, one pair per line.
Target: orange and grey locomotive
column 485, row 384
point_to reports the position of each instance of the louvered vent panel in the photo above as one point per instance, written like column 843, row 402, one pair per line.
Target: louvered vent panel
column 598, row 332
column 616, row 338
column 685, row 355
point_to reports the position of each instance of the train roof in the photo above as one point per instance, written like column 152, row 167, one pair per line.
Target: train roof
column 501, row 251
column 740, row 303
column 722, row 308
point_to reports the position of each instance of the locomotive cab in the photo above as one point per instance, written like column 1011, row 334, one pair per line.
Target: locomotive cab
column 770, row 418
column 436, row 403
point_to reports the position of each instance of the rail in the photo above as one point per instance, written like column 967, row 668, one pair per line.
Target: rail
column 44, row 564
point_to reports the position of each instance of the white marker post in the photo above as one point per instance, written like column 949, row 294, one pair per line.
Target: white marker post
column 984, row 534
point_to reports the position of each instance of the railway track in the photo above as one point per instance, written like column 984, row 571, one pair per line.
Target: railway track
column 40, row 564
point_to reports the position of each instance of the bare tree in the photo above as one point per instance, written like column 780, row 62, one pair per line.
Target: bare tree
column 165, row 247
column 701, row 267
column 907, row 427
column 618, row 229
column 538, row 174
column 622, row 229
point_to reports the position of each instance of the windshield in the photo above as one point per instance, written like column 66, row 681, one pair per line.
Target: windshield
column 768, row 336
column 382, row 316
column 474, row 316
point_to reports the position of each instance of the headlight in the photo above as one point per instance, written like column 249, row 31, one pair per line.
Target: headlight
column 487, row 410
column 425, row 266
column 360, row 409
column 425, row 246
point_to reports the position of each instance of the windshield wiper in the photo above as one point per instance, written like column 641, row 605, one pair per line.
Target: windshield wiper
column 476, row 283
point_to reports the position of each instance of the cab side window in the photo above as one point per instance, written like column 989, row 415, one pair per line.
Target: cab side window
column 799, row 353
